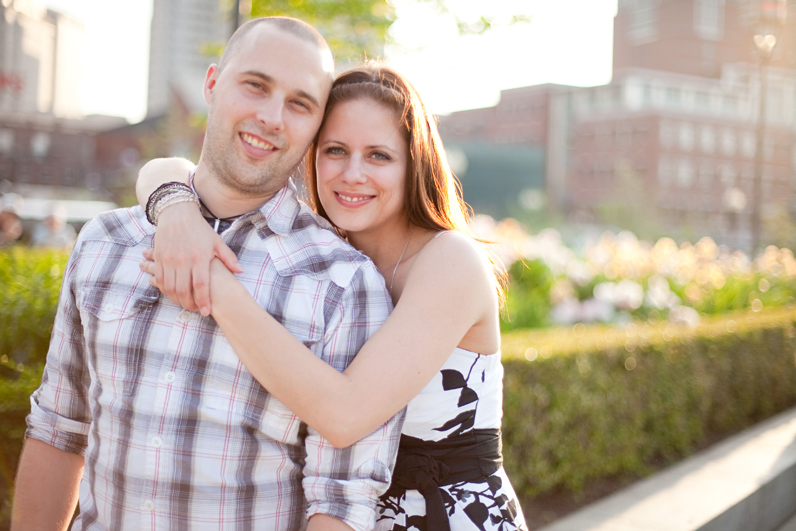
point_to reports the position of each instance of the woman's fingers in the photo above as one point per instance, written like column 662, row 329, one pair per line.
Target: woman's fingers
column 226, row 255
column 201, row 288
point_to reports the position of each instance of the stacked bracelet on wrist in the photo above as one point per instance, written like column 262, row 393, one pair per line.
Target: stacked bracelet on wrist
column 165, row 195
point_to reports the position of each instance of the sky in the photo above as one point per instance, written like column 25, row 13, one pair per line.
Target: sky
column 565, row 42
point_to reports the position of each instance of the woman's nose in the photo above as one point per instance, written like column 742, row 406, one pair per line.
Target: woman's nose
column 354, row 170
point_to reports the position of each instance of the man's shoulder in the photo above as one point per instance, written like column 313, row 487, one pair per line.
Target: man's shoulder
column 312, row 247
column 121, row 226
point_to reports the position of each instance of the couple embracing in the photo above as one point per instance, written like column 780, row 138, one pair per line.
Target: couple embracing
column 274, row 383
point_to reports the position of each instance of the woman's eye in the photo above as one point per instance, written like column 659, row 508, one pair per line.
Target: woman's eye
column 334, row 150
column 379, row 155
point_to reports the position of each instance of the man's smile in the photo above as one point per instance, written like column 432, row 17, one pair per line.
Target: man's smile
column 256, row 142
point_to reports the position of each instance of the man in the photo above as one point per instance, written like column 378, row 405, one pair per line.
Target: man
column 148, row 402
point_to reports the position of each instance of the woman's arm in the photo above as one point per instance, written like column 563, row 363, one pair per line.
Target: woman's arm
column 184, row 243
column 160, row 171
column 449, row 290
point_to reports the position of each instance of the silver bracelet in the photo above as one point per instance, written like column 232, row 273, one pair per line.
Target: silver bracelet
column 172, row 198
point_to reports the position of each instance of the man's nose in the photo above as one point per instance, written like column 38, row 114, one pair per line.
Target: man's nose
column 271, row 114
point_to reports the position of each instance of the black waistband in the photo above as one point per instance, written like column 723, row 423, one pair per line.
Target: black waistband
column 425, row 466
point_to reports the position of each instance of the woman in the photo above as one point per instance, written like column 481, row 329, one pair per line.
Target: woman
column 378, row 172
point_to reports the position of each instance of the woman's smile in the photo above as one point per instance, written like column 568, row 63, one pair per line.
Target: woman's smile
column 353, row 200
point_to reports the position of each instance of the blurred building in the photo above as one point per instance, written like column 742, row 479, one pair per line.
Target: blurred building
column 48, row 149
column 40, row 61
column 181, row 48
column 674, row 134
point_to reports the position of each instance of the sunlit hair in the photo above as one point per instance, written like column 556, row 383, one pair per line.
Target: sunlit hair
column 432, row 198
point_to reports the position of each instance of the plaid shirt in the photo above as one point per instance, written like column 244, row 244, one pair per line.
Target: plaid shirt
column 175, row 432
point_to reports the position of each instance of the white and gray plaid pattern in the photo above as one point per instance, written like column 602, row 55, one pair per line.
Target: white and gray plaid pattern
column 176, row 433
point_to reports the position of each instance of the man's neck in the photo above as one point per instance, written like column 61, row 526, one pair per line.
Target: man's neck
column 221, row 200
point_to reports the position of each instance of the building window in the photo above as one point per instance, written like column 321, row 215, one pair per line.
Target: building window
column 702, row 100
column 685, row 174
column 705, row 175
column 768, row 149
column 673, row 96
column 707, row 139
column 709, row 19
column 686, row 136
column 773, row 104
column 40, row 145
column 665, row 171
column 668, row 134
column 646, row 95
column 728, row 142
column 748, row 146
column 730, row 105
column 727, row 175
column 6, row 141
column 643, row 20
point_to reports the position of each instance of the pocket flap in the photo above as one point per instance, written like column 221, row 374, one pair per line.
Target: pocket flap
column 110, row 304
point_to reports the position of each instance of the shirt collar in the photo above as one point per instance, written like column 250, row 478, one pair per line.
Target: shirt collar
column 278, row 213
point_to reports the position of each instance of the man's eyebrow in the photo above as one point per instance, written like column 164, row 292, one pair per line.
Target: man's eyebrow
column 268, row 79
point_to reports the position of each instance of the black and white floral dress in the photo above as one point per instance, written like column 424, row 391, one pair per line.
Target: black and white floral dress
column 465, row 395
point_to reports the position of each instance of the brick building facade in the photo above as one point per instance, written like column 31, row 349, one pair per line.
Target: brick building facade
column 675, row 131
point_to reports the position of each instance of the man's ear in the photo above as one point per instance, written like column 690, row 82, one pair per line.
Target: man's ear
column 210, row 82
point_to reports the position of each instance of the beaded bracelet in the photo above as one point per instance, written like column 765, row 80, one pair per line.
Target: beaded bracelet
column 172, row 199
column 165, row 195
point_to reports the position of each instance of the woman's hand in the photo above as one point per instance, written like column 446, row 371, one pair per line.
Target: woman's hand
column 180, row 262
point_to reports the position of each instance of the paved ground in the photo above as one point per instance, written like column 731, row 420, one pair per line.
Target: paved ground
column 790, row 525
column 744, row 483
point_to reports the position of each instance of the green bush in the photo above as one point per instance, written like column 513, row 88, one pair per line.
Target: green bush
column 580, row 402
column 595, row 401
column 30, row 281
column 528, row 296
column 15, row 390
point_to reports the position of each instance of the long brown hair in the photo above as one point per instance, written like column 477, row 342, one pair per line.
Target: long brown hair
column 433, row 197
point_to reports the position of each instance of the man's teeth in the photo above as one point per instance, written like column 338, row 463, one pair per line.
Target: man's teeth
column 352, row 199
column 256, row 143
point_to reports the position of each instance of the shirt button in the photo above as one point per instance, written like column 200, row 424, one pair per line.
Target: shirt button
column 169, row 377
column 157, row 442
column 149, row 505
column 108, row 307
column 185, row 316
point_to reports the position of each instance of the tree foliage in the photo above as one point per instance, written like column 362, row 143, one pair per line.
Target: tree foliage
column 353, row 28
column 359, row 28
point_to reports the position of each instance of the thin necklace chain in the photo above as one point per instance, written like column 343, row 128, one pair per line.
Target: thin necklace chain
column 392, row 279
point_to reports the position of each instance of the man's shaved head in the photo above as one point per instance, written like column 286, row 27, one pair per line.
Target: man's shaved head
column 294, row 26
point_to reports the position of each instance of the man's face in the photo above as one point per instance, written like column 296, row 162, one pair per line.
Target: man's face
column 266, row 105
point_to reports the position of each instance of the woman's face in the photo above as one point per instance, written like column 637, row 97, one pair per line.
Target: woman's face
column 361, row 162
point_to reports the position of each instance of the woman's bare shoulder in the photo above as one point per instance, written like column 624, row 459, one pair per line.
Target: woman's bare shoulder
column 453, row 253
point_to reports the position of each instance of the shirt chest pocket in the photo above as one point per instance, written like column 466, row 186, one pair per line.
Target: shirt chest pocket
column 116, row 326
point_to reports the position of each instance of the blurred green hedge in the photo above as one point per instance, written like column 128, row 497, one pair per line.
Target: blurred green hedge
column 30, row 281
column 528, row 296
column 580, row 402
column 592, row 402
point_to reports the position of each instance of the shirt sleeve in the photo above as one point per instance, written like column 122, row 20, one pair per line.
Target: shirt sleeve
column 60, row 415
column 346, row 483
